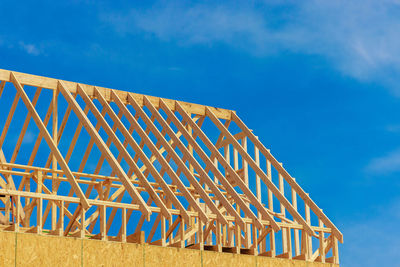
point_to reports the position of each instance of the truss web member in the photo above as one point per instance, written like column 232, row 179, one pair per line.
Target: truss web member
column 3, row 219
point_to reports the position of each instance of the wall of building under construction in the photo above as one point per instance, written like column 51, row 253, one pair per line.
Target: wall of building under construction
column 22, row 249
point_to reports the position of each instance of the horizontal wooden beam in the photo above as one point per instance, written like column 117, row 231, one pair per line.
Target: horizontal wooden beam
column 50, row 83
column 119, row 205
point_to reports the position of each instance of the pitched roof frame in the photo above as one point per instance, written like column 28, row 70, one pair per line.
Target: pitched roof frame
column 216, row 205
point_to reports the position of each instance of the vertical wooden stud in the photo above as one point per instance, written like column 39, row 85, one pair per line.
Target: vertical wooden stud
column 258, row 192
column 61, row 219
column 163, row 231
column 335, row 250
column 296, row 231
column 182, row 232
column 200, row 234
column 321, row 243
column 271, row 207
column 123, row 225
column 283, row 212
column 54, row 185
column 83, row 224
column 8, row 208
column 39, row 215
column 103, row 222
column 39, row 203
column 289, row 243
column 308, row 237
column 245, row 167
column 17, row 213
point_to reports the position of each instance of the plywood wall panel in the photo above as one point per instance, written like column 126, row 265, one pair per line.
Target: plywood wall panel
column 7, row 248
column 276, row 262
column 214, row 259
column 39, row 250
column 168, row 257
column 35, row 250
column 100, row 253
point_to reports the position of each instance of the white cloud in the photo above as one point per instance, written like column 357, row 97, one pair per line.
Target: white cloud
column 387, row 164
column 199, row 24
column 360, row 38
column 31, row 49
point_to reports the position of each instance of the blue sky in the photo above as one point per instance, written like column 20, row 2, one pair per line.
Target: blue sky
column 318, row 82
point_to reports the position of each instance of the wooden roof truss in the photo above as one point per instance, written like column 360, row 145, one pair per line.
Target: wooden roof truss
column 98, row 163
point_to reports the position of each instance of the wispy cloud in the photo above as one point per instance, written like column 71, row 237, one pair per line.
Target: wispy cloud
column 31, row 49
column 387, row 164
column 193, row 25
column 360, row 38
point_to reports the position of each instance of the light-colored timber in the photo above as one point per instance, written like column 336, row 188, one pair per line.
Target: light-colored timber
column 24, row 249
column 87, row 162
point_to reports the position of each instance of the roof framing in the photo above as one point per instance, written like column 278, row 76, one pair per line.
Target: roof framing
column 184, row 174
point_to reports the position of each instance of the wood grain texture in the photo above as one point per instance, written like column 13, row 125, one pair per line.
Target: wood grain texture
column 39, row 250
column 100, row 253
column 218, row 259
column 35, row 250
column 7, row 248
column 181, row 162
column 166, row 257
column 50, row 83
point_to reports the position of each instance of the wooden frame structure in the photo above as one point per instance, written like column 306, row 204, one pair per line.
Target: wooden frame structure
column 113, row 165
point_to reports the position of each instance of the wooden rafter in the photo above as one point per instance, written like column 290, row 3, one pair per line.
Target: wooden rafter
column 194, row 163
column 226, row 165
column 49, row 140
column 106, row 152
column 259, row 172
column 123, row 151
column 286, row 175
column 51, row 83
column 165, row 164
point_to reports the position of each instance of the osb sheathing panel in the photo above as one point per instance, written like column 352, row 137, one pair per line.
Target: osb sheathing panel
column 168, row 257
column 276, row 262
column 100, row 253
column 7, row 249
column 269, row 262
column 35, row 250
column 211, row 259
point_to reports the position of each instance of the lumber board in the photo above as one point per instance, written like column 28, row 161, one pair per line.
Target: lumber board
column 51, row 83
